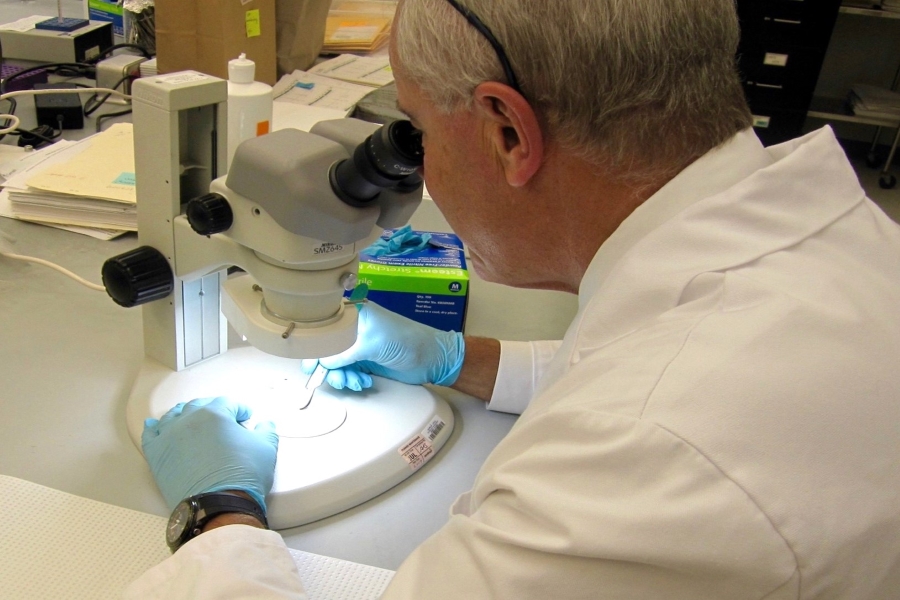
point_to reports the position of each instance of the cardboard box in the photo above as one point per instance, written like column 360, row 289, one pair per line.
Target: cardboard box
column 430, row 286
column 203, row 35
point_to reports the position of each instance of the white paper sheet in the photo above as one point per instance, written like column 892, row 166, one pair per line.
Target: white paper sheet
column 367, row 70
column 25, row 24
column 308, row 89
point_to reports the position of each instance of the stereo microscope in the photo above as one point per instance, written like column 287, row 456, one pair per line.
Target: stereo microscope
column 271, row 247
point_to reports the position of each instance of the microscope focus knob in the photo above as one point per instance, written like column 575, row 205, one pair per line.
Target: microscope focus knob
column 209, row 214
column 138, row 277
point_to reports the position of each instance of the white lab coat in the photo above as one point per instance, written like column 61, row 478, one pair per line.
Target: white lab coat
column 722, row 419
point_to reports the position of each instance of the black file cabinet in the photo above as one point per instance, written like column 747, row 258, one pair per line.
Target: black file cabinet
column 783, row 44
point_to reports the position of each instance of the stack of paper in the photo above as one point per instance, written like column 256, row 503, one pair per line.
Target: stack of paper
column 358, row 26
column 336, row 85
column 875, row 102
column 374, row 71
column 309, row 89
column 85, row 186
column 148, row 68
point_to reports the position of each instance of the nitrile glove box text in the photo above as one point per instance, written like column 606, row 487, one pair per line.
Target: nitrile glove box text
column 430, row 286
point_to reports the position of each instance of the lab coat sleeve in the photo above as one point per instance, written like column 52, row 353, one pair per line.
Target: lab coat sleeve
column 521, row 366
column 236, row 561
column 591, row 506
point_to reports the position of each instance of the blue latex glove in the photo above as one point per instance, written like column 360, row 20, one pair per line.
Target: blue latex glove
column 401, row 242
column 200, row 446
column 390, row 345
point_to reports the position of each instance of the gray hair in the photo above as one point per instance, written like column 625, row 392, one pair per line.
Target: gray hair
column 640, row 86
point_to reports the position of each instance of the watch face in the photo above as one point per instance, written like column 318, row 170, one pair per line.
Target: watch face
column 180, row 519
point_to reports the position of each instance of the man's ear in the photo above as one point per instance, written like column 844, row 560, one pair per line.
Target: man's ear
column 513, row 130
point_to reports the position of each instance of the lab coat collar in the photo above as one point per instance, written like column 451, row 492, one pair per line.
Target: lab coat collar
column 712, row 173
column 734, row 205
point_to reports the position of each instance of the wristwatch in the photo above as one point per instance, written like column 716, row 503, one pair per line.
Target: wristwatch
column 192, row 514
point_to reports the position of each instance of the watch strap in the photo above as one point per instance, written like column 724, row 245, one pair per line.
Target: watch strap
column 211, row 504
column 216, row 503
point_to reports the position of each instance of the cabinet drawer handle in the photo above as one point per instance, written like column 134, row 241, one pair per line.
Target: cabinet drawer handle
column 785, row 21
column 770, row 86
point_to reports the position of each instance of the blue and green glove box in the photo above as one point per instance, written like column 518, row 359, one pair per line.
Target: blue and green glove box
column 430, row 285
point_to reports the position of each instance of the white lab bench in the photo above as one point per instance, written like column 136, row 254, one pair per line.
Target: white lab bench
column 69, row 355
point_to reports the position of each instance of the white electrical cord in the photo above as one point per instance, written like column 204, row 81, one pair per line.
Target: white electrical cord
column 15, row 120
column 55, row 267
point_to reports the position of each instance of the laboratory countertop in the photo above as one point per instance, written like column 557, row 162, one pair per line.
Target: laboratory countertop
column 69, row 356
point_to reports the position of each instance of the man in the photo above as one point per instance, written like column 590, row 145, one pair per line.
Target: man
column 720, row 420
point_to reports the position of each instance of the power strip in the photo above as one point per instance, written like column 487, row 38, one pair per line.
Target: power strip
column 113, row 69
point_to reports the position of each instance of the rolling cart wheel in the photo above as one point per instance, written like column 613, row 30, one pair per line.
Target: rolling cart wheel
column 872, row 160
column 887, row 182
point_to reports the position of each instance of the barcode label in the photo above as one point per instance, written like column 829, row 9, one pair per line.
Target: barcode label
column 433, row 429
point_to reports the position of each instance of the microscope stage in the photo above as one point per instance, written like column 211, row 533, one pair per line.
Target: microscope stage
column 344, row 448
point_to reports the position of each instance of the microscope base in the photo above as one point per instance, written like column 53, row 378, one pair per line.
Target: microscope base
column 345, row 447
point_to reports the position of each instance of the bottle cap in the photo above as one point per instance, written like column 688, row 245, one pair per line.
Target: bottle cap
column 241, row 69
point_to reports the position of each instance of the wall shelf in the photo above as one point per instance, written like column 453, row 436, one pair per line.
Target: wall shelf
column 869, row 12
column 837, row 109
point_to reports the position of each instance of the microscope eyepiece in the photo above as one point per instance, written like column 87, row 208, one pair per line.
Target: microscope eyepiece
column 387, row 159
column 396, row 149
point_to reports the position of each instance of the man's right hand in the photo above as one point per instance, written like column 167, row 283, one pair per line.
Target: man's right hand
column 201, row 446
column 392, row 346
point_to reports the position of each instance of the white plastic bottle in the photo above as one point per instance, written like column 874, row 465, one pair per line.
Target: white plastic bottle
column 249, row 104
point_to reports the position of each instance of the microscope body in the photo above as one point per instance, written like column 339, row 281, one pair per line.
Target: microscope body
column 287, row 214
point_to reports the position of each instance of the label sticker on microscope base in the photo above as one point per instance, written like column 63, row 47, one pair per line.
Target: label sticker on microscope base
column 419, row 450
